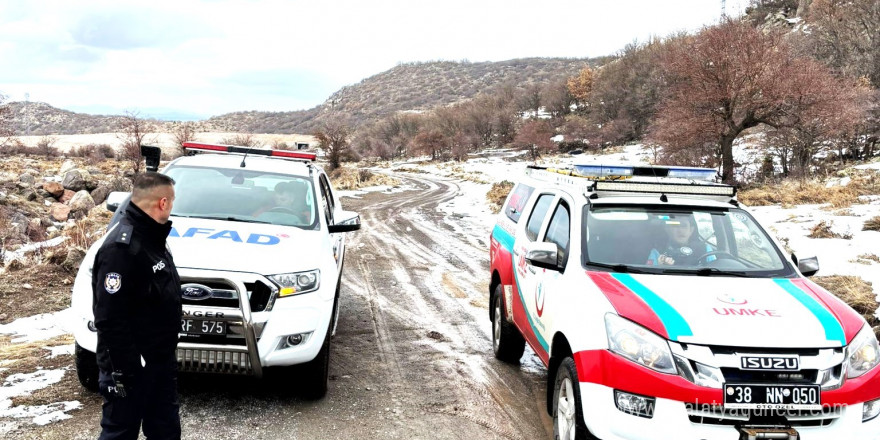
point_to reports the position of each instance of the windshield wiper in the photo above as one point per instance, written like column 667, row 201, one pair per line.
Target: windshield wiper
column 230, row 218
column 621, row 268
column 707, row 271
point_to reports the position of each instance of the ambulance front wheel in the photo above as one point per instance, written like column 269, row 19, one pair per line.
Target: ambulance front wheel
column 507, row 343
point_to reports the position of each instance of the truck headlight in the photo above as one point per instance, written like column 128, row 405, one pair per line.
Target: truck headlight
column 638, row 344
column 296, row 283
column 863, row 354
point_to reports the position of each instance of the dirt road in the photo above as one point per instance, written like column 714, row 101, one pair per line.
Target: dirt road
column 411, row 358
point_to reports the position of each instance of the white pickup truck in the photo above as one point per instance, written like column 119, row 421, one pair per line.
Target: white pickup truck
column 258, row 239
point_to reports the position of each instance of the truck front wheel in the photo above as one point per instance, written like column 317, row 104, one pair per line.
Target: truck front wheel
column 86, row 367
column 316, row 373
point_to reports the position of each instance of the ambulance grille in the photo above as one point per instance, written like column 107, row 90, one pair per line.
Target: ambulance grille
column 730, row 417
column 794, row 377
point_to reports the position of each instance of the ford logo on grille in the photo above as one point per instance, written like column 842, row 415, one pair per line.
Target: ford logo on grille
column 195, row 292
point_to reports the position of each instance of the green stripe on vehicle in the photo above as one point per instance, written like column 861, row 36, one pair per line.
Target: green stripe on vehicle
column 676, row 326
column 833, row 329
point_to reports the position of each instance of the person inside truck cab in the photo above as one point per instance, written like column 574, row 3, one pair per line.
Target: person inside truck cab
column 288, row 200
column 684, row 247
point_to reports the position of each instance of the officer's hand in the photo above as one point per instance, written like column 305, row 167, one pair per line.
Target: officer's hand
column 665, row 260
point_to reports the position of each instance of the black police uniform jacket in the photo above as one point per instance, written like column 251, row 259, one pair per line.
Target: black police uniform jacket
column 136, row 296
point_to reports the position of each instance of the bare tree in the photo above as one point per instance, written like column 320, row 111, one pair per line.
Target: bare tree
column 845, row 34
column 333, row 139
column 535, row 136
column 132, row 131
column 732, row 77
column 431, row 142
column 183, row 132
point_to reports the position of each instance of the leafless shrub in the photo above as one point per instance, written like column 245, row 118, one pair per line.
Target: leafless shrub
column 497, row 194
column 346, row 178
column 872, row 224
column 823, row 230
column 242, row 140
column 93, row 153
column 46, row 147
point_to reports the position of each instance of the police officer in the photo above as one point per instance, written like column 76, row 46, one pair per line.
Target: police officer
column 137, row 312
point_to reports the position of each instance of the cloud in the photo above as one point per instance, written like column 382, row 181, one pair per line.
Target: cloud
column 132, row 28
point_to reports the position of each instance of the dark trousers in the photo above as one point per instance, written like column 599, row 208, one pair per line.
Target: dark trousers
column 151, row 399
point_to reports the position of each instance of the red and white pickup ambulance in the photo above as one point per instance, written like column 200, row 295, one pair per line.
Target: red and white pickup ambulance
column 663, row 310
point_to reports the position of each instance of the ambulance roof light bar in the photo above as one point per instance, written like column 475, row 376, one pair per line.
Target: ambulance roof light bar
column 635, row 180
column 234, row 149
column 599, row 171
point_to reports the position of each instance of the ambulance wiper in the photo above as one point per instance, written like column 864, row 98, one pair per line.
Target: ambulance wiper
column 231, row 218
column 620, row 268
column 707, row 271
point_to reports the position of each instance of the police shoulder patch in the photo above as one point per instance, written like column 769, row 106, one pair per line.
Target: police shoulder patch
column 112, row 282
column 124, row 236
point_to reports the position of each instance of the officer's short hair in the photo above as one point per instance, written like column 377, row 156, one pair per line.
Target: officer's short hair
column 145, row 183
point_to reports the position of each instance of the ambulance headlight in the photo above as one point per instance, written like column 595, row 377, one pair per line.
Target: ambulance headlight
column 638, row 344
column 296, row 283
column 863, row 354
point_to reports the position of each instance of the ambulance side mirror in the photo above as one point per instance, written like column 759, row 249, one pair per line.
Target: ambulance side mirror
column 808, row 266
column 543, row 255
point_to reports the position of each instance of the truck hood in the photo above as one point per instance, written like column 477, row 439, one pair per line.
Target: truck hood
column 244, row 247
column 739, row 312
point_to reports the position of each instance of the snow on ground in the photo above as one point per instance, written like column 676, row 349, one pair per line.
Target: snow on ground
column 30, row 247
column 38, row 327
column 23, row 384
column 837, row 256
column 387, row 189
column 31, row 329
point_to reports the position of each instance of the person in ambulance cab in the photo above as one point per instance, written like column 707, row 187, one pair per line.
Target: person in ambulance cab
column 684, row 246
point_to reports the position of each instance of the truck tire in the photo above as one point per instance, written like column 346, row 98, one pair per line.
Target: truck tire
column 507, row 343
column 568, row 417
column 86, row 367
column 316, row 373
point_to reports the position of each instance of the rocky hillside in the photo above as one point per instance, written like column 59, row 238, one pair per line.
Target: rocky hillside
column 407, row 87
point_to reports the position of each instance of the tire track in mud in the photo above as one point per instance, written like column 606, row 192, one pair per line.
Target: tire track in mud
column 409, row 237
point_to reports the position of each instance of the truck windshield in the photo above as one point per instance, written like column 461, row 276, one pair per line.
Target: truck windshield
column 243, row 195
column 680, row 240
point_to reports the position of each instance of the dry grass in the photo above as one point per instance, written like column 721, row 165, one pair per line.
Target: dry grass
column 345, row 178
column 497, row 194
column 854, row 291
column 866, row 259
column 872, row 224
column 797, row 192
column 823, row 230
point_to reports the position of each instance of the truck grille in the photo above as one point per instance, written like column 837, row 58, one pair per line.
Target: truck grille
column 225, row 295
column 214, row 360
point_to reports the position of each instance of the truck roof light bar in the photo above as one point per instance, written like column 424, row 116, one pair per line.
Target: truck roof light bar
column 234, row 149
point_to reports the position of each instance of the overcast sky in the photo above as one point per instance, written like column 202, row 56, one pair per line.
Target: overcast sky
column 208, row 57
